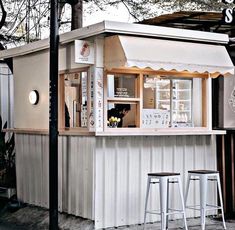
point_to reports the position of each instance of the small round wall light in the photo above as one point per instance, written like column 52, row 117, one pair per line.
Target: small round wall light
column 33, row 97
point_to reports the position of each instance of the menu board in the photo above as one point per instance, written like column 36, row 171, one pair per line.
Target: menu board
column 91, row 115
column 99, row 98
column 155, row 118
column 121, row 92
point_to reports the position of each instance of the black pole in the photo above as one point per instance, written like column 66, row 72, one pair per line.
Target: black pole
column 53, row 119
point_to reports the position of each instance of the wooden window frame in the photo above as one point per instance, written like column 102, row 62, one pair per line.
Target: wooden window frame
column 61, row 86
column 136, row 100
column 139, row 100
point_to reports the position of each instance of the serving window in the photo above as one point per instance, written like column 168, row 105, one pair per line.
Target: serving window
column 74, row 99
column 123, row 100
column 156, row 101
column 167, row 102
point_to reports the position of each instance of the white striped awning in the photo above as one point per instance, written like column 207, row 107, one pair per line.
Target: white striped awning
column 168, row 55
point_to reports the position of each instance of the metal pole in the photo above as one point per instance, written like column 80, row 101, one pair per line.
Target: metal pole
column 53, row 119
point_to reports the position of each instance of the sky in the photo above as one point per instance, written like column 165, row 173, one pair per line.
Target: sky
column 119, row 13
column 112, row 13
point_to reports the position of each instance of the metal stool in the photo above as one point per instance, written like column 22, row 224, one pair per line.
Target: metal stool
column 203, row 176
column 164, row 178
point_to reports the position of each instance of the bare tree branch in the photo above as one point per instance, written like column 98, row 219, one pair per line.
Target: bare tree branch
column 128, row 9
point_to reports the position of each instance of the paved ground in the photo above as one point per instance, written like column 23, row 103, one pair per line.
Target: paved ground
column 35, row 218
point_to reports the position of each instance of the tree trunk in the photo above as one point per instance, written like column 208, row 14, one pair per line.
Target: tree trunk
column 8, row 61
column 77, row 15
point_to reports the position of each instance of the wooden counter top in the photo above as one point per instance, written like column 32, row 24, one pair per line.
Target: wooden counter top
column 159, row 132
column 125, row 132
column 69, row 132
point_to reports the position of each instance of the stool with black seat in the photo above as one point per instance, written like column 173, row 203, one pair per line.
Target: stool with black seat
column 204, row 176
column 163, row 179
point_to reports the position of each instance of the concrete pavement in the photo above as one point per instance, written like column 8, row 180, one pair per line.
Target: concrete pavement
column 35, row 218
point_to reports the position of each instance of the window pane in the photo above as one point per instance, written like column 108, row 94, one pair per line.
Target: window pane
column 156, row 102
column 75, row 99
column 166, row 102
column 182, row 102
column 121, row 115
column 156, row 93
column 122, row 86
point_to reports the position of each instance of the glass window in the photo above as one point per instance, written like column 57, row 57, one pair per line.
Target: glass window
column 182, row 102
column 121, row 115
column 154, row 101
column 122, row 86
column 75, row 95
column 167, row 102
column 122, row 100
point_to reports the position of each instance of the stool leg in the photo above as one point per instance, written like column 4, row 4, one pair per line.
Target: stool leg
column 221, row 199
column 182, row 201
column 187, row 190
column 146, row 200
column 203, row 199
column 167, row 204
column 163, row 201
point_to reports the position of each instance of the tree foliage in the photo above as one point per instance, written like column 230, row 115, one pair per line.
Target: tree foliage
column 28, row 20
column 7, row 158
column 143, row 9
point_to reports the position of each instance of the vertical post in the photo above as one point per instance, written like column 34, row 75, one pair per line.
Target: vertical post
column 53, row 119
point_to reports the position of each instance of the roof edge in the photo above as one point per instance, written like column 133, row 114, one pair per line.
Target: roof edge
column 165, row 32
column 119, row 28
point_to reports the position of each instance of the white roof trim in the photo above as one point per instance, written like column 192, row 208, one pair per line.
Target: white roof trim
column 120, row 28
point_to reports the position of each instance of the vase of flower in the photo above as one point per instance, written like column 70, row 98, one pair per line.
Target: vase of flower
column 113, row 122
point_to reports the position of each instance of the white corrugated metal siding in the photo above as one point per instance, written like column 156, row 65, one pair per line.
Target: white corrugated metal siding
column 122, row 164
column 75, row 172
column 104, row 178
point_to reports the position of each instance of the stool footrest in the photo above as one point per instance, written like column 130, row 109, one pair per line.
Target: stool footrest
column 173, row 213
column 193, row 207
column 177, row 210
column 157, row 212
column 213, row 206
column 208, row 207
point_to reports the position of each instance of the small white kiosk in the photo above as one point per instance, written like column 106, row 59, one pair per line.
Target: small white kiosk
column 164, row 74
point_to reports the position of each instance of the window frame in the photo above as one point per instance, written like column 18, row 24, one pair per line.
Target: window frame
column 61, row 91
column 122, row 100
column 173, row 75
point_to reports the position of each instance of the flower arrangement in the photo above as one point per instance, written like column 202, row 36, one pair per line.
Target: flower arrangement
column 113, row 122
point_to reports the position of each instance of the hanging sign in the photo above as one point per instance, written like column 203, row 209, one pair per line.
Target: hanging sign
column 84, row 52
column 228, row 13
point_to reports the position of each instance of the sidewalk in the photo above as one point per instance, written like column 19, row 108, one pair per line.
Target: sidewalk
column 35, row 218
